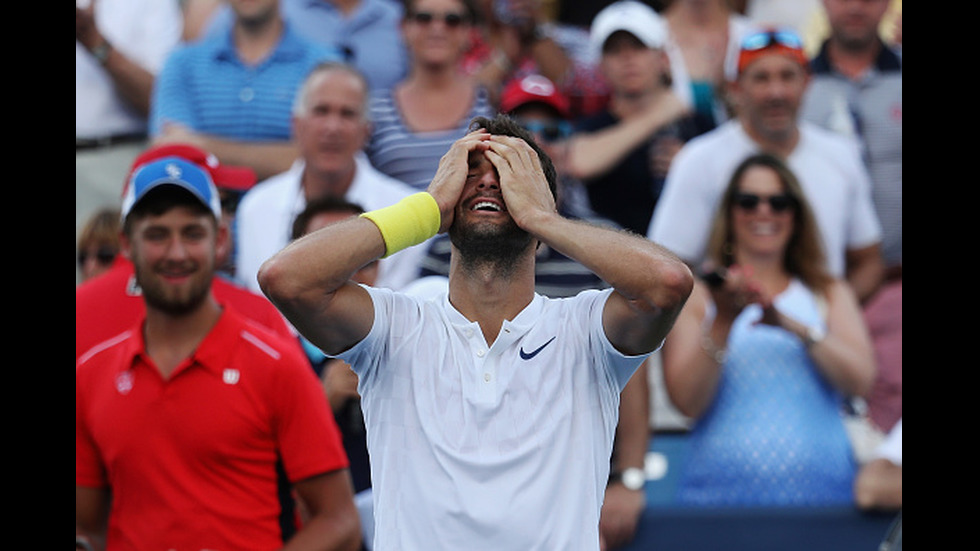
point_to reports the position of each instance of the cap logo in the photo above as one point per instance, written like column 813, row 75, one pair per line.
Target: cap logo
column 173, row 171
column 538, row 86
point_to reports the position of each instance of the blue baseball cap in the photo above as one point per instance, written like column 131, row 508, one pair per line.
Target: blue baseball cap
column 171, row 171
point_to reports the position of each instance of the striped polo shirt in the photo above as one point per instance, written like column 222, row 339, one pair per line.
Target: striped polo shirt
column 411, row 156
column 869, row 109
column 208, row 88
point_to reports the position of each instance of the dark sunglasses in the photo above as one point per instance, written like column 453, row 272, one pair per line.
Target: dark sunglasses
column 750, row 201
column 767, row 39
column 549, row 131
column 452, row 20
column 104, row 256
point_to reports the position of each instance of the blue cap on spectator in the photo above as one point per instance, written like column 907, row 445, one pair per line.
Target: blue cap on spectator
column 171, row 171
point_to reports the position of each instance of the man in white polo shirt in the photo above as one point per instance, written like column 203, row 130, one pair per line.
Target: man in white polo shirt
column 330, row 126
column 767, row 87
column 490, row 409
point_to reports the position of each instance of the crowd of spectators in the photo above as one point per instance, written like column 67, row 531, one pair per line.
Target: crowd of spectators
column 761, row 145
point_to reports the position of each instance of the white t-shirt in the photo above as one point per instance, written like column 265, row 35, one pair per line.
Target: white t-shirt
column 489, row 448
column 829, row 169
column 264, row 221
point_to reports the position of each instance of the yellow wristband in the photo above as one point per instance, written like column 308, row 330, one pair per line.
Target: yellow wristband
column 408, row 222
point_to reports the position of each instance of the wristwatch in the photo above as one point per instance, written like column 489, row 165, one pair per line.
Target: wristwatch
column 101, row 52
column 633, row 478
column 813, row 336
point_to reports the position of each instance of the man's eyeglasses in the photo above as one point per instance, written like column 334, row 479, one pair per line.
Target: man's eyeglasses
column 750, row 201
column 104, row 256
column 452, row 20
column 549, row 131
column 767, row 39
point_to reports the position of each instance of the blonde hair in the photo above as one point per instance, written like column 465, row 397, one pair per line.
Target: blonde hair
column 804, row 256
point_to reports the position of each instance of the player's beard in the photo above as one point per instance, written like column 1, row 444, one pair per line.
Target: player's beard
column 489, row 245
column 173, row 300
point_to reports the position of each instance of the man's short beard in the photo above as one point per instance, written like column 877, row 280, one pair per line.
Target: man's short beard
column 497, row 249
column 157, row 299
column 172, row 307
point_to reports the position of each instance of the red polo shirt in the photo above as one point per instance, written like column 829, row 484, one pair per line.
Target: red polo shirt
column 111, row 303
column 191, row 460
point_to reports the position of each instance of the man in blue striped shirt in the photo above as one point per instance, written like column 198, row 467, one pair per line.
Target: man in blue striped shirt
column 232, row 93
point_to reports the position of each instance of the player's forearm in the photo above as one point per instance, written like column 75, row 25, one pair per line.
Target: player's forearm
column 651, row 284
column 312, row 268
column 636, row 267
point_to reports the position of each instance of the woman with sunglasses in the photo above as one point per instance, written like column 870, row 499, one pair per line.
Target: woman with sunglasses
column 98, row 243
column 764, row 353
column 416, row 121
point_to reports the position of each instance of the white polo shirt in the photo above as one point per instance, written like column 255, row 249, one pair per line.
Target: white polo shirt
column 493, row 448
column 828, row 166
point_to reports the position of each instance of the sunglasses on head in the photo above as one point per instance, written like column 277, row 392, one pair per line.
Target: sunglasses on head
column 549, row 131
column 767, row 39
column 452, row 20
column 750, row 201
column 103, row 256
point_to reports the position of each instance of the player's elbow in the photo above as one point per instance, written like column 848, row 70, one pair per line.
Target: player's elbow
column 276, row 282
column 673, row 285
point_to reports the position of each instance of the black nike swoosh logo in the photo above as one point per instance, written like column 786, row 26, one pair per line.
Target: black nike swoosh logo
column 528, row 356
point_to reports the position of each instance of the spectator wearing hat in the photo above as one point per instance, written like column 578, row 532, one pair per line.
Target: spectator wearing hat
column 107, row 305
column 768, row 82
column 184, row 419
column 621, row 153
column 232, row 183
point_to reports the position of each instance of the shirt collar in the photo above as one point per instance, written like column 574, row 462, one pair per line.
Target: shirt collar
column 290, row 46
column 211, row 354
column 887, row 60
column 365, row 11
column 521, row 323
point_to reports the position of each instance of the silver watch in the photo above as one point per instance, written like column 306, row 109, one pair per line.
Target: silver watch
column 813, row 336
column 633, row 478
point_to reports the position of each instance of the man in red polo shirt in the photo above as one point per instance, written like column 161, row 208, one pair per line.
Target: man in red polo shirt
column 181, row 421
column 108, row 305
